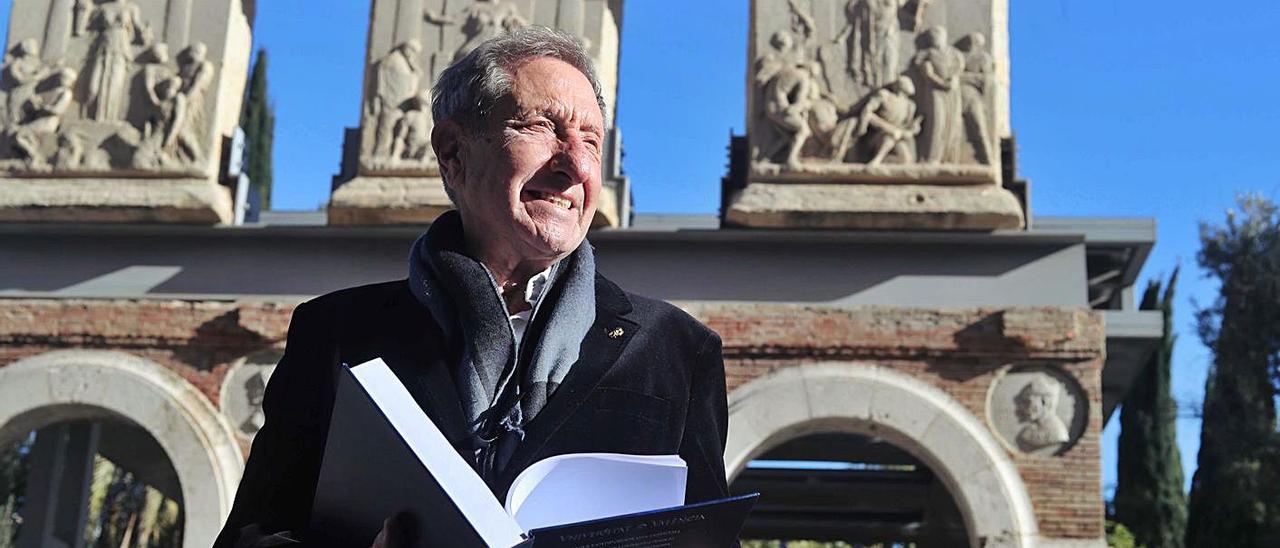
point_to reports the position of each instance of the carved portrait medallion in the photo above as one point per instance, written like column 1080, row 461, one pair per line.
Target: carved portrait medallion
column 243, row 390
column 1037, row 409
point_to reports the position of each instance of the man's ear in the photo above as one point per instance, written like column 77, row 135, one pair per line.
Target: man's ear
column 447, row 139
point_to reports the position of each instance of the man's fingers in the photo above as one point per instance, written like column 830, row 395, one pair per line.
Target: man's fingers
column 394, row 533
column 394, row 528
column 380, row 541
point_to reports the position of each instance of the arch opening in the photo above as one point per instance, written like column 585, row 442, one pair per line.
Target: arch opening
column 133, row 399
column 843, row 489
column 87, row 476
column 866, row 403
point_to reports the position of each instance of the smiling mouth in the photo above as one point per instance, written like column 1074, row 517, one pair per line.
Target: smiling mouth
column 553, row 199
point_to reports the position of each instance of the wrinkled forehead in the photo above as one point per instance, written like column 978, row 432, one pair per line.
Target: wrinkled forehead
column 550, row 86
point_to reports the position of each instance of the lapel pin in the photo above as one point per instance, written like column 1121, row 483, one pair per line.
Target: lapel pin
column 616, row 333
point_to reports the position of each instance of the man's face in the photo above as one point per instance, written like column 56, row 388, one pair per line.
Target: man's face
column 1031, row 407
column 531, row 179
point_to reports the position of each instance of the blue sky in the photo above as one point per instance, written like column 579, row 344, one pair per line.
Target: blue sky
column 1122, row 108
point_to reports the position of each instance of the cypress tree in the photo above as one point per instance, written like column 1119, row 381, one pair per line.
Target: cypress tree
column 258, row 119
column 1149, row 500
column 1234, row 496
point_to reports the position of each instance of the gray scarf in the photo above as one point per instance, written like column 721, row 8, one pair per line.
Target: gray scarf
column 464, row 299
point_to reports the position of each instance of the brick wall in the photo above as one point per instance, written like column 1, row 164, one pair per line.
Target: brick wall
column 959, row 351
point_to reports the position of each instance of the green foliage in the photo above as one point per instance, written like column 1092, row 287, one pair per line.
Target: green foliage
column 125, row 513
column 1234, row 500
column 1149, row 500
column 14, row 463
column 122, row 512
column 258, row 119
column 1118, row 536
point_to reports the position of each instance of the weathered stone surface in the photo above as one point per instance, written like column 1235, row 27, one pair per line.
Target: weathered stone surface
column 117, row 90
column 410, row 43
column 857, row 206
column 863, row 88
column 102, row 199
column 876, row 114
column 388, row 200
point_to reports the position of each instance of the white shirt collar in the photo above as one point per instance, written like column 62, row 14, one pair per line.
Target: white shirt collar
column 534, row 290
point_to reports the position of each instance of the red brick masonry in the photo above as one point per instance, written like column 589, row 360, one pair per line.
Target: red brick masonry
column 960, row 351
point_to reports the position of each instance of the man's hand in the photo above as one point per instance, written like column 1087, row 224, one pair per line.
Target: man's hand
column 394, row 533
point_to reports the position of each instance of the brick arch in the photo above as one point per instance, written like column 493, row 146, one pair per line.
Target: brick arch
column 77, row 384
column 911, row 414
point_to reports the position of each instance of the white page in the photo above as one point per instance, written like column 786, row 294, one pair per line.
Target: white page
column 454, row 475
column 584, row 486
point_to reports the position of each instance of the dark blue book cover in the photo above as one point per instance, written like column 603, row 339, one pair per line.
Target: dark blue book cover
column 713, row 524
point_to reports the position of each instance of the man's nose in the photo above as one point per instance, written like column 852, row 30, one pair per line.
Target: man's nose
column 575, row 159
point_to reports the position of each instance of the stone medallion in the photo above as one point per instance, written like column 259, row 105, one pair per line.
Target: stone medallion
column 243, row 389
column 1037, row 409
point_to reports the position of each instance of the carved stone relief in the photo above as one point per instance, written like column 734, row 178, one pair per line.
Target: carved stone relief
column 111, row 100
column 870, row 89
column 480, row 21
column 395, row 84
column 243, row 390
column 390, row 174
column 407, row 54
column 397, row 115
column 1037, row 409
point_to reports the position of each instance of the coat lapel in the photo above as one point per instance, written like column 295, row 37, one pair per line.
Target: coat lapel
column 418, row 355
column 601, row 347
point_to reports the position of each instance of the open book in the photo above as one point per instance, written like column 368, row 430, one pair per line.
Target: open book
column 384, row 457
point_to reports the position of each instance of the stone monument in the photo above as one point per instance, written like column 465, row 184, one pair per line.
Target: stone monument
column 876, row 114
column 117, row 110
column 390, row 175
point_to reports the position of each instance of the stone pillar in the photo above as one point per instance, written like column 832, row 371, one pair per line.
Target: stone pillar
column 58, row 485
column 885, row 114
column 118, row 111
column 390, row 174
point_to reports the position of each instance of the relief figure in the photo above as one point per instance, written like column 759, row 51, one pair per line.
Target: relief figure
column 118, row 24
column 1036, row 406
column 166, row 139
column 397, row 77
column 196, row 72
column 938, row 67
column 976, row 85
column 872, row 36
column 412, row 139
column 22, row 70
column 795, row 102
column 789, row 91
column 44, row 115
column 481, row 20
column 156, row 66
column 890, row 122
column 255, row 389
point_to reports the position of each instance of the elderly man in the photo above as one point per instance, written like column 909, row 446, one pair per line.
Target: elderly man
column 504, row 332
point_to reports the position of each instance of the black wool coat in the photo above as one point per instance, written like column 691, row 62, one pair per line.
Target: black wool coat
column 649, row 380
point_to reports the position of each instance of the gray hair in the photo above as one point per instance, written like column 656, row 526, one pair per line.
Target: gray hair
column 470, row 88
